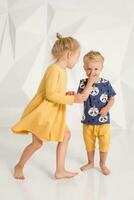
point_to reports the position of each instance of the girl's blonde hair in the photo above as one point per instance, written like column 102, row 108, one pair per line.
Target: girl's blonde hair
column 93, row 56
column 64, row 44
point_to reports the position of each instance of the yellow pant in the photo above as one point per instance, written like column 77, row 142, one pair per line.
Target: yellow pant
column 91, row 132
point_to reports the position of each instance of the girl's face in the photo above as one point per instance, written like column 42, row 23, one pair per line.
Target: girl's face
column 72, row 58
column 93, row 67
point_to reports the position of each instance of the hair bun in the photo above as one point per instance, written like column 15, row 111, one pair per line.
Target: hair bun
column 59, row 36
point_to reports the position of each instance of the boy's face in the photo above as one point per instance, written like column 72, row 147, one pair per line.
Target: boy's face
column 94, row 67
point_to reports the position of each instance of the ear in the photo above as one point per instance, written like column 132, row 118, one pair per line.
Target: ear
column 102, row 67
column 69, row 54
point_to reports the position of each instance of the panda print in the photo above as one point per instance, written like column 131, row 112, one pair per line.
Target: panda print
column 104, row 98
column 104, row 80
column 101, row 80
column 93, row 111
column 97, row 99
column 82, row 84
column 83, row 117
column 103, row 119
column 94, row 91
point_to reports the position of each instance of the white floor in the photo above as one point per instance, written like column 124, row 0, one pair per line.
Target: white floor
column 92, row 185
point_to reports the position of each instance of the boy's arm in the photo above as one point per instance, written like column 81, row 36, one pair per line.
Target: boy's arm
column 109, row 105
column 110, row 102
column 86, row 91
column 111, row 99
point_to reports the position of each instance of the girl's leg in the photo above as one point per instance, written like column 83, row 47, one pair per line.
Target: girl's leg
column 60, row 159
column 27, row 153
column 103, row 157
column 90, row 164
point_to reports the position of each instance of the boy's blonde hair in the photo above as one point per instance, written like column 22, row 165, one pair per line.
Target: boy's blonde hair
column 63, row 44
column 93, row 56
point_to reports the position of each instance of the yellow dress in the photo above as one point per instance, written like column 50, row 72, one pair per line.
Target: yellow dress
column 45, row 115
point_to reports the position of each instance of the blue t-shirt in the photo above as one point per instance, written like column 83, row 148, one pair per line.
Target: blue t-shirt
column 98, row 98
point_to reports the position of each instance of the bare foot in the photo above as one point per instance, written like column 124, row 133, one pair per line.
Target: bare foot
column 65, row 174
column 87, row 167
column 18, row 172
column 105, row 170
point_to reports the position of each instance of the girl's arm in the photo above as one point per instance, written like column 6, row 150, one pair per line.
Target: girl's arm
column 57, row 97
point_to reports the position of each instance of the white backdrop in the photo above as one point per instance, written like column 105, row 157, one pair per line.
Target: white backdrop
column 27, row 33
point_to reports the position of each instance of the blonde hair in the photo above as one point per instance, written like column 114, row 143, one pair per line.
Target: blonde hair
column 63, row 44
column 93, row 56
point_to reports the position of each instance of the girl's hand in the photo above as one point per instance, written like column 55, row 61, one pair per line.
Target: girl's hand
column 103, row 112
column 70, row 93
column 79, row 98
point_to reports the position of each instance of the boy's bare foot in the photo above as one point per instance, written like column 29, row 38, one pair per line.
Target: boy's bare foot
column 18, row 172
column 87, row 167
column 105, row 170
column 65, row 174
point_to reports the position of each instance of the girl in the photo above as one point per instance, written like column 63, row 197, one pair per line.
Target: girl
column 45, row 115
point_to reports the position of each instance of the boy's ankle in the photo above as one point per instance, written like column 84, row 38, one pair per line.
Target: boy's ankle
column 91, row 163
column 102, row 164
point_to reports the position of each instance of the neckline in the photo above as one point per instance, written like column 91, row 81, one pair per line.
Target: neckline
column 98, row 81
column 63, row 68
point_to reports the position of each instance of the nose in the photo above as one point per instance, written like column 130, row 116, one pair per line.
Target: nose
column 92, row 71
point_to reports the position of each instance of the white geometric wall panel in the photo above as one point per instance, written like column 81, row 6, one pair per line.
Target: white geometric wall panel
column 27, row 33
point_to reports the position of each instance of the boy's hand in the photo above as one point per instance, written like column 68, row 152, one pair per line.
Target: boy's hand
column 79, row 98
column 92, row 78
column 103, row 112
column 70, row 93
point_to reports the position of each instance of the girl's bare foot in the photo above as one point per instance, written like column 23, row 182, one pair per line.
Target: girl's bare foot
column 87, row 167
column 105, row 170
column 65, row 174
column 18, row 172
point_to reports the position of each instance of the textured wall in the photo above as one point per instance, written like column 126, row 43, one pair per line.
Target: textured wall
column 27, row 33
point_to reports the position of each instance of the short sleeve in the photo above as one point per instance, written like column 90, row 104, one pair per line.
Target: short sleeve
column 110, row 90
column 82, row 85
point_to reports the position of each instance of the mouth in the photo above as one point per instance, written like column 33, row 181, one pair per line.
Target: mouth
column 95, row 75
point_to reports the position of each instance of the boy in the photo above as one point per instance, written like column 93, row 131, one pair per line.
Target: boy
column 96, row 117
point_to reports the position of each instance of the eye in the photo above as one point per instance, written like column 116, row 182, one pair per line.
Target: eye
column 96, row 69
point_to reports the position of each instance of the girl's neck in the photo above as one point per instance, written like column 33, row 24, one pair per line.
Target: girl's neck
column 61, row 63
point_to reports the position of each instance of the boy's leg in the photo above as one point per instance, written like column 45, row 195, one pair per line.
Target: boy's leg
column 27, row 153
column 61, row 172
column 89, row 139
column 90, row 164
column 104, row 169
column 104, row 141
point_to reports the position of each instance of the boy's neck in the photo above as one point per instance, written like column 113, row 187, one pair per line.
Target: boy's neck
column 98, row 79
